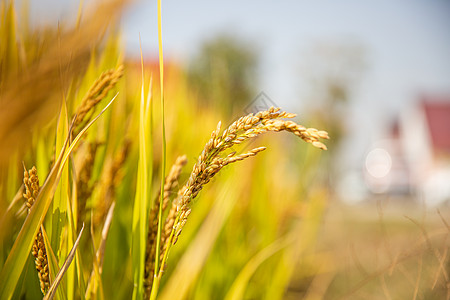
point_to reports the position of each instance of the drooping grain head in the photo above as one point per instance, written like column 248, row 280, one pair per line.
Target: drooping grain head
column 96, row 93
column 211, row 160
column 41, row 262
column 31, row 183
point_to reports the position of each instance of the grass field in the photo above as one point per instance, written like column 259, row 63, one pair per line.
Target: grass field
column 137, row 192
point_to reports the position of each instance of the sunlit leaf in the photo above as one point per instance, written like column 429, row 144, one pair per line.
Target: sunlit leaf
column 51, row 292
column 140, row 208
column 53, row 266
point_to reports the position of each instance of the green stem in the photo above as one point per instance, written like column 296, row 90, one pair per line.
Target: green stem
column 156, row 280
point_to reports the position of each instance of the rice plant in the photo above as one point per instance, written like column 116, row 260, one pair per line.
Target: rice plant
column 93, row 143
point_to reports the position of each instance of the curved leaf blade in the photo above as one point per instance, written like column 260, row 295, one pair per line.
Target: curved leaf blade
column 51, row 292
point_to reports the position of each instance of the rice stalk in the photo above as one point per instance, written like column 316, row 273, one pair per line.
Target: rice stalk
column 144, row 176
column 96, row 272
column 156, row 282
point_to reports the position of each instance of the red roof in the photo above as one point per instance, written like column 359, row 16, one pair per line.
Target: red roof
column 437, row 112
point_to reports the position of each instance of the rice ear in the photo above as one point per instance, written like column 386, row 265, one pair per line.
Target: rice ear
column 210, row 162
column 213, row 158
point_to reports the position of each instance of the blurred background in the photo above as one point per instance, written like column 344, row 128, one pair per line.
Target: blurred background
column 376, row 74
column 370, row 214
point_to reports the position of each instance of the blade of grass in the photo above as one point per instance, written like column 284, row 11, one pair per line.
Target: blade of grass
column 92, row 288
column 70, row 244
column 52, row 264
column 158, row 269
column 140, row 208
column 101, row 249
column 72, row 217
column 64, row 268
column 97, row 271
column 42, row 161
column 57, row 220
column 83, row 131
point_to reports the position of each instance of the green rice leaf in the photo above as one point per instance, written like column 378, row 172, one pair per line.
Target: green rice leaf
column 140, row 208
column 53, row 267
column 64, row 268
column 58, row 217
column 70, row 244
column 158, row 269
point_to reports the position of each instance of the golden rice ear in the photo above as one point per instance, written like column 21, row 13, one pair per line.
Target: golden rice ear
column 213, row 159
column 31, row 184
column 96, row 93
column 41, row 261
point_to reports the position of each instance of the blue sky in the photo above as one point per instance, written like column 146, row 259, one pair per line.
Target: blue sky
column 406, row 45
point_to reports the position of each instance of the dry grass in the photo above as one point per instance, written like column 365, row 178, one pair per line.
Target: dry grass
column 385, row 254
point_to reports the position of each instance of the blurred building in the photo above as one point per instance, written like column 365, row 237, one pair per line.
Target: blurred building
column 414, row 159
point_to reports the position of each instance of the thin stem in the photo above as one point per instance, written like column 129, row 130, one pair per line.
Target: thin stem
column 156, row 281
